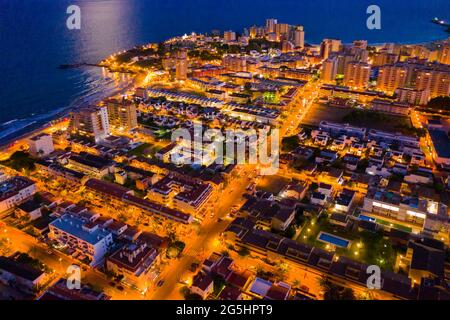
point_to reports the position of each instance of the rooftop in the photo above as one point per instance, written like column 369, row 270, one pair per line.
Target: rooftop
column 74, row 226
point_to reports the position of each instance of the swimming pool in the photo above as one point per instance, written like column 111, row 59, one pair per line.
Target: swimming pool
column 366, row 218
column 337, row 241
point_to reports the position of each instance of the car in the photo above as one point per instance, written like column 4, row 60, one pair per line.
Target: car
column 160, row 283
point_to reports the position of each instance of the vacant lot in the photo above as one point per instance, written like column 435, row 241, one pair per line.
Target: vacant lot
column 380, row 121
column 321, row 112
column 272, row 184
column 359, row 118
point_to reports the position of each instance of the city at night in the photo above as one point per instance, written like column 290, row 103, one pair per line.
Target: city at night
column 248, row 155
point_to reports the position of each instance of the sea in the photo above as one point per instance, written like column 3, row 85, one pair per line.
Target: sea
column 35, row 40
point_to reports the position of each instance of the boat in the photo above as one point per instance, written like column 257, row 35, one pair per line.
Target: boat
column 440, row 22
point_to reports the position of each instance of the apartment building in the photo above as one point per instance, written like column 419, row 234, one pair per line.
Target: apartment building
column 181, row 193
column 15, row 191
column 85, row 237
column 134, row 262
column 422, row 214
column 357, row 75
column 122, row 115
column 92, row 122
column 41, row 145
column 391, row 77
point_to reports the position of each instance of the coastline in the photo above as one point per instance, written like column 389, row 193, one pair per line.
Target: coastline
column 6, row 142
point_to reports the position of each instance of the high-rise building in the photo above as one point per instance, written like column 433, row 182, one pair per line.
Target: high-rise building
column 229, row 36
column 329, row 70
column 391, row 77
column 420, row 52
column 413, row 97
column 91, row 122
column 298, row 37
column 122, row 114
column 444, row 54
column 342, row 61
column 329, row 46
column 382, row 58
column 253, row 32
column 361, row 55
column 270, row 25
column 234, row 63
column 181, row 65
column 436, row 81
column 393, row 48
column 282, row 31
column 357, row 75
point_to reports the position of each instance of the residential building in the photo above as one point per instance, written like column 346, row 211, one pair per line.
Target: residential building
column 22, row 275
column 440, row 146
column 202, row 285
column 235, row 63
column 122, row 114
column 444, row 54
column 92, row 122
column 357, row 75
column 85, row 237
column 181, row 193
column 384, row 58
column 436, row 81
column 30, row 209
column 90, row 164
column 60, row 291
column 270, row 25
column 337, row 129
column 391, row 107
column 422, row 214
column 133, row 262
column 298, row 37
column 329, row 46
column 41, row 145
column 181, row 65
column 229, row 36
column 329, row 70
column 391, row 77
column 412, row 96
column 14, row 191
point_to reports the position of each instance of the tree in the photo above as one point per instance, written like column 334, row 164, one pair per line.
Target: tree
column 335, row 292
column 440, row 103
column 244, row 252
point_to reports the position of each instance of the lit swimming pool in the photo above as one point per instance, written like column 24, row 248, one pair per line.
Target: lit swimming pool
column 337, row 241
column 366, row 218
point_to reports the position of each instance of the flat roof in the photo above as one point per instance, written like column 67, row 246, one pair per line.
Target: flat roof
column 441, row 143
column 19, row 269
column 74, row 226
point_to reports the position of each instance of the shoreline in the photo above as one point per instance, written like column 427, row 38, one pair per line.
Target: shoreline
column 5, row 145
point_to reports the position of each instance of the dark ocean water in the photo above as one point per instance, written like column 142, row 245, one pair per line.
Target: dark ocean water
column 34, row 40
